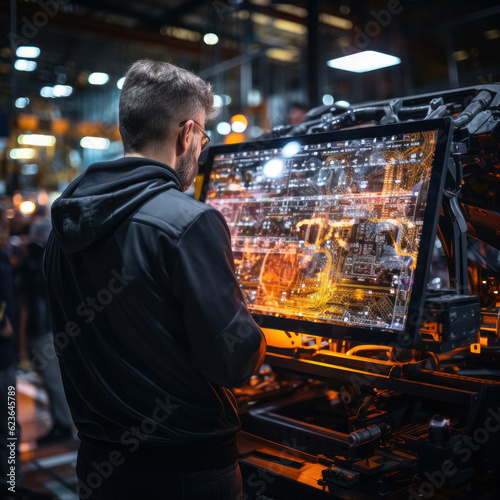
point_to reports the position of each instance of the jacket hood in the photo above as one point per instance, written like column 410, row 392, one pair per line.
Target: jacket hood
column 104, row 195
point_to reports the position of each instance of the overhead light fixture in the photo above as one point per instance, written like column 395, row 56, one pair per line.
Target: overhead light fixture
column 25, row 65
column 239, row 118
column 22, row 153
column 27, row 207
column 335, row 21
column 98, row 78
column 242, row 14
column 47, row 91
column 293, row 10
column 362, row 62
column 218, row 101
column 56, row 91
column 460, row 55
column 62, row 90
column 290, row 26
column 181, row 33
column 262, row 19
column 120, row 82
column 285, row 55
column 492, row 34
column 21, row 102
column 95, row 143
column 239, row 126
column 28, row 52
column 36, row 140
column 254, row 97
column 210, row 38
column 223, row 128
column 328, row 99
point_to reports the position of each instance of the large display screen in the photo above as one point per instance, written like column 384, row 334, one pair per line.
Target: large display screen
column 332, row 233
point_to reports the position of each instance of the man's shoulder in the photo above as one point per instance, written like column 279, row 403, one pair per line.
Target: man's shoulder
column 171, row 210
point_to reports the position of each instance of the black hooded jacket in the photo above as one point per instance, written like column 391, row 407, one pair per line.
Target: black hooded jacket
column 150, row 324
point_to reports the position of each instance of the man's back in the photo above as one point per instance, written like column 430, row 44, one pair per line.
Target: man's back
column 150, row 323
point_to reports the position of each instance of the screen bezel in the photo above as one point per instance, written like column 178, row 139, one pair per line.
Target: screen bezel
column 408, row 337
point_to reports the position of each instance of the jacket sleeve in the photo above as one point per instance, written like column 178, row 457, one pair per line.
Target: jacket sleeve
column 226, row 344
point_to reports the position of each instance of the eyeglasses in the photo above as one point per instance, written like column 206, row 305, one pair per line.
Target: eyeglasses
column 205, row 139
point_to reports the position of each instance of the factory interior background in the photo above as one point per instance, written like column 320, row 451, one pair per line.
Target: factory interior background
column 63, row 62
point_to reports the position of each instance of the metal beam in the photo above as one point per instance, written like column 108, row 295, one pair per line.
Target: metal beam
column 173, row 15
column 312, row 53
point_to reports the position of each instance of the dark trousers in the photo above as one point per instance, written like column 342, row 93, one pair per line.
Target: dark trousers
column 100, row 479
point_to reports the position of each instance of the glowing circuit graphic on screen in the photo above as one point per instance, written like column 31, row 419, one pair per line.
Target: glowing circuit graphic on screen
column 327, row 232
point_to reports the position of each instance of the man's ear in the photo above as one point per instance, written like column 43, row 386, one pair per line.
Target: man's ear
column 183, row 137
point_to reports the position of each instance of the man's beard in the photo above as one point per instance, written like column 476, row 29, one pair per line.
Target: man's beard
column 187, row 168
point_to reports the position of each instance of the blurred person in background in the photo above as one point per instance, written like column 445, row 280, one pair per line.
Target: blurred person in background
column 7, row 355
column 9, row 491
column 296, row 113
column 39, row 336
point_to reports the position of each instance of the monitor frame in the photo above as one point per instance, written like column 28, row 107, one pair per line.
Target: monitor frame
column 409, row 336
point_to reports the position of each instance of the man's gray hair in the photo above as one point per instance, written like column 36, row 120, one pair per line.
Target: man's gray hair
column 157, row 96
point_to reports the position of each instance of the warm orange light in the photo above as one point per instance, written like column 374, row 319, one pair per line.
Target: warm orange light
column 116, row 134
column 17, row 199
column 60, row 126
column 239, row 118
column 198, row 184
column 234, row 138
column 94, row 129
column 27, row 207
column 43, row 198
column 279, row 338
column 28, row 122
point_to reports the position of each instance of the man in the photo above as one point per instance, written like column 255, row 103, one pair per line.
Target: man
column 296, row 113
column 150, row 324
column 39, row 332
